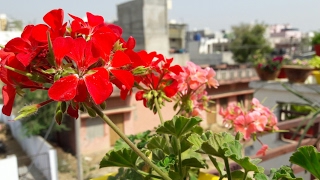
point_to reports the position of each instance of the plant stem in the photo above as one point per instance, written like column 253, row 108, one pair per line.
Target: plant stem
column 158, row 110
column 146, row 174
column 161, row 118
column 245, row 175
column 179, row 156
column 226, row 163
column 132, row 146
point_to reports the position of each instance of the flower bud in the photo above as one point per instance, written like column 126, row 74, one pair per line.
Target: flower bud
column 131, row 43
column 58, row 117
column 27, row 111
column 103, row 105
column 140, row 70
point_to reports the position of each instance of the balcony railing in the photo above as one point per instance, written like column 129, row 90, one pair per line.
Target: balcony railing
column 236, row 74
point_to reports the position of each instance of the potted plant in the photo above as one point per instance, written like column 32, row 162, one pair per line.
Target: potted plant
column 315, row 41
column 315, row 62
column 297, row 70
column 267, row 67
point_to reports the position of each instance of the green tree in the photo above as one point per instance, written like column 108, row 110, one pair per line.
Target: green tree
column 39, row 123
column 246, row 40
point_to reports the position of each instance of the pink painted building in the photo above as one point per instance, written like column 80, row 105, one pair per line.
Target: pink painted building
column 132, row 117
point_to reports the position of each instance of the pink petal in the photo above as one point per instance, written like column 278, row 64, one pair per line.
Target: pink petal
column 262, row 150
column 64, row 89
column 98, row 85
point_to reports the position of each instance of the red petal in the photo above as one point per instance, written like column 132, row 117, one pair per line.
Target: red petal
column 98, row 85
column 90, row 59
column 104, row 42
column 94, row 20
column 17, row 45
column 64, row 89
column 39, row 32
column 172, row 89
column 131, row 43
column 73, row 112
column 77, row 52
column 25, row 59
column 8, row 95
column 139, row 95
column 61, row 47
column 135, row 58
column 77, row 19
column 125, row 77
column 27, row 32
column 120, row 59
column 82, row 92
column 116, row 29
column 176, row 69
column 54, row 18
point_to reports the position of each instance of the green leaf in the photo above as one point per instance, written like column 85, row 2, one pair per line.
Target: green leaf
column 309, row 158
column 260, row 176
column 219, row 166
column 213, row 145
column 196, row 141
column 158, row 142
column 233, row 148
column 283, row 173
column 248, row 164
column 193, row 162
column 27, row 111
column 119, row 158
column 237, row 175
column 178, row 126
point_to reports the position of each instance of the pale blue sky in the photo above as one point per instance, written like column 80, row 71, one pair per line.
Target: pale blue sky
column 213, row 14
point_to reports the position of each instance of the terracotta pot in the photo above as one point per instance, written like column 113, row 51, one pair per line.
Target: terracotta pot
column 282, row 74
column 267, row 75
column 317, row 49
column 297, row 74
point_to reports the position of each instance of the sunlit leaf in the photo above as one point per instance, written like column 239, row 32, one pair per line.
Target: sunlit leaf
column 119, row 158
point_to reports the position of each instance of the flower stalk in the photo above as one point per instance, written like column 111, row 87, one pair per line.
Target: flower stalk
column 106, row 119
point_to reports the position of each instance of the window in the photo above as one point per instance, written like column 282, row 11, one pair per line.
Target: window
column 241, row 99
column 223, row 102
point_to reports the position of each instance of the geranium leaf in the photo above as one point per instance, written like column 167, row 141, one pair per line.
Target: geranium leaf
column 233, row 148
column 178, row 126
column 248, row 164
column 158, row 142
column 219, row 166
column 213, row 143
column 193, row 162
column 119, row 158
column 260, row 176
column 196, row 141
column 308, row 158
column 284, row 172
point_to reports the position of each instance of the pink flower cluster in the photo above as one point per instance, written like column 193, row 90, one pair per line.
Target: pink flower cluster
column 251, row 121
column 192, row 83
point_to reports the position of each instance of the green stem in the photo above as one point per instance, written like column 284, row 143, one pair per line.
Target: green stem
column 226, row 163
column 146, row 174
column 158, row 109
column 161, row 118
column 179, row 156
column 245, row 175
column 132, row 146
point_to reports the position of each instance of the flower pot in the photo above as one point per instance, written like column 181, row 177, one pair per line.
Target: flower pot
column 317, row 49
column 282, row 74
column 202, row 176
column 267, row 75
column 297, row 74
column 316, row 75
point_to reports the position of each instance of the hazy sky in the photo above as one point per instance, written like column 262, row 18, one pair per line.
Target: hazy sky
column 198, row 14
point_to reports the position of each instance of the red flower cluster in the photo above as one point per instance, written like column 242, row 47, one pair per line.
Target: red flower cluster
column 77, row 64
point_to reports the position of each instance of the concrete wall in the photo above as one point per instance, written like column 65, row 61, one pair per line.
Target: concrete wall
column 146, row 20
column 6, row 36
column 42, row 154
column 9, row 168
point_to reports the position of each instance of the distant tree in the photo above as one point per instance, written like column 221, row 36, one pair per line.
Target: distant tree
column 39, row 123
column 246, row 39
